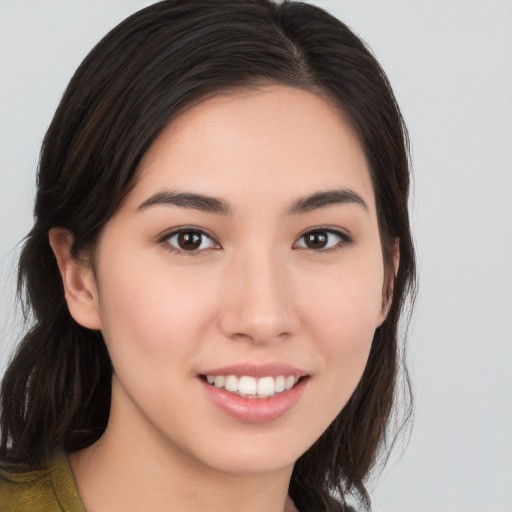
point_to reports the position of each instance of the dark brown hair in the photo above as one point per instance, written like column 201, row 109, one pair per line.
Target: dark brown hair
column 152, row 66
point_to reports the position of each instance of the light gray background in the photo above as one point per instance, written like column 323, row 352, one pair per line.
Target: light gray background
column 450, row 63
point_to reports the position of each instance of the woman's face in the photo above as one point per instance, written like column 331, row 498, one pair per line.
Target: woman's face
column 246, row 256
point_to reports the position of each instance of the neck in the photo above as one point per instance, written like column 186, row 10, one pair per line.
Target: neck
column 128, row 470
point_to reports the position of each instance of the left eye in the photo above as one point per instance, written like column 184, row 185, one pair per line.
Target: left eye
column 321, row 239
column 189, row 240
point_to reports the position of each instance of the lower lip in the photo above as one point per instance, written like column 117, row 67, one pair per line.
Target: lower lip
column 255, row 410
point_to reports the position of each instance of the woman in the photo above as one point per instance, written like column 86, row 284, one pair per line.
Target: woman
column 217, row 269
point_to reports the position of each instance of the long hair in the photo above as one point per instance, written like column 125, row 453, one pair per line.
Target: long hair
column 145, row 72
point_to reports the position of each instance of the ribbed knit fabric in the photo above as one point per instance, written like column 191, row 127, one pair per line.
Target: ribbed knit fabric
column 49, row 490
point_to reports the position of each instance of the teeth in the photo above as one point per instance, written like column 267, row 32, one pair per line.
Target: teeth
column 252, row 387
column 288, row 384
column 231, row 383
column 279, row 384
column 266, row 386
column 247, row 385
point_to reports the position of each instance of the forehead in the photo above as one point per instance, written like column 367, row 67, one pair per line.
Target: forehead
column 274, row 143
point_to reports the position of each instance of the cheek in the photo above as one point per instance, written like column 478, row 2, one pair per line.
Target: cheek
column 348, row 296
column 342, row 316
column 148, row 311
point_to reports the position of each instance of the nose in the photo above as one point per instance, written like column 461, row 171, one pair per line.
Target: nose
column 258, row 303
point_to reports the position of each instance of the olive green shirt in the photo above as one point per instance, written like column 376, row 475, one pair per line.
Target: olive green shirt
column 49, row 490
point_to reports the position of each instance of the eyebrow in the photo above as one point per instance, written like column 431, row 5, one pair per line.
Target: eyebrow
column 188, row 200
column 324, row 199
column 220, row 206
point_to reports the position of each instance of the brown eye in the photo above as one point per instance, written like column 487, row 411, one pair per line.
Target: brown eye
column 323, row 240
column 316, row 239
column 189, row 241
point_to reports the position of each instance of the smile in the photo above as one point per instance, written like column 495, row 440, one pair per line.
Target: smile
column 254, row 393
column 252, row 387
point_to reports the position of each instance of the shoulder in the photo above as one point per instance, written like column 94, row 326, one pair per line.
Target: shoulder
column 48, row 490
column 29, row 491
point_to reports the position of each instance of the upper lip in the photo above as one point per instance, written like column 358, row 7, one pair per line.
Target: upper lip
column 258, row 370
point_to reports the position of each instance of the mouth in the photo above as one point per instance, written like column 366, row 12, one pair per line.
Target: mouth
column 254, row 393
column 247, row 386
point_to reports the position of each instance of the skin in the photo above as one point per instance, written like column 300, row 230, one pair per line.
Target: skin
column 254, row 293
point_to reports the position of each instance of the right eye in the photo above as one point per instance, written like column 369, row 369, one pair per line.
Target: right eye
column 189, row 240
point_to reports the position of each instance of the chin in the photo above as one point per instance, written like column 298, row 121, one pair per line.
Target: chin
column 261, row 451
column 253, row 464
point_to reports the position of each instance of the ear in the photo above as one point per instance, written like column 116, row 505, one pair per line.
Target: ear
column 78, row 279
column 387, row 290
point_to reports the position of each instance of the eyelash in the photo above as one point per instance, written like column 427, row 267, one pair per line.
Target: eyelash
column 345, row 239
